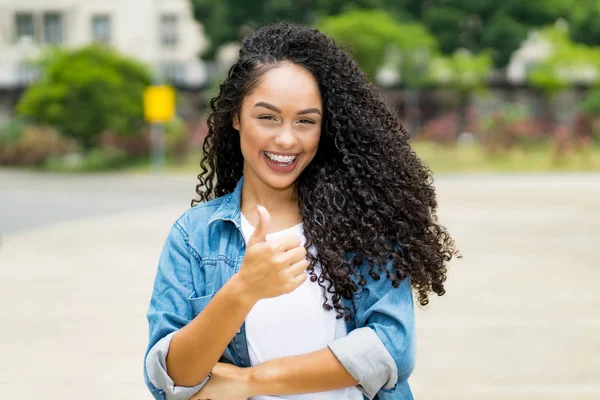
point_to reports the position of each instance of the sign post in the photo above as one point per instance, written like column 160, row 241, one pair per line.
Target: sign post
column 159, row 108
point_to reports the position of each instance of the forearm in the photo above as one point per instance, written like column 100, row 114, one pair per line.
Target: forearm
column 318, row 371
column 197, row 347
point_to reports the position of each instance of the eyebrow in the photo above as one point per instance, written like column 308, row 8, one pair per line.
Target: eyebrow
column 277, row 110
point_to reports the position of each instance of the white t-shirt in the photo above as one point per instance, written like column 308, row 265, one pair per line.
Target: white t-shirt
column 293, row 324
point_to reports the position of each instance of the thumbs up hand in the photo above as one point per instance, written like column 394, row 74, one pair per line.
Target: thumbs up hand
column 260, row 233
column 272, row 268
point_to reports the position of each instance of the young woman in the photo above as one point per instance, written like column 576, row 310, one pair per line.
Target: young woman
column 291, row 276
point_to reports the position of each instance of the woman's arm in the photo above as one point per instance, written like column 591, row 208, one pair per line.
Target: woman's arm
column 185, row 345
column 318, row 371
column 190, row 359
column 380, row 354
column 189, row 345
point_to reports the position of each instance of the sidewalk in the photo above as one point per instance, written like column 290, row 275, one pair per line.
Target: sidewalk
column 520, row 319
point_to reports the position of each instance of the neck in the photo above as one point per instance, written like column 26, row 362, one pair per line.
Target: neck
column 282, row 204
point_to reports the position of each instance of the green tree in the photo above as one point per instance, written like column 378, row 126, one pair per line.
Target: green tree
column 86, row 91
column 228, row 21
column 567, row 62
column 464, row 72
column 583, row 22
column 477, row 25
column 379, row 34
column 500, row 26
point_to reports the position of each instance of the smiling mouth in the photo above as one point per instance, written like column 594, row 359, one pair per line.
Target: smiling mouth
column 282, row 160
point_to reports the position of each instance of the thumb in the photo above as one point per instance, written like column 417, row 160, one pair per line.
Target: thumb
column 264, row 220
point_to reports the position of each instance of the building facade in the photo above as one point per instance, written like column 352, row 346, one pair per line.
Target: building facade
column 160, row 33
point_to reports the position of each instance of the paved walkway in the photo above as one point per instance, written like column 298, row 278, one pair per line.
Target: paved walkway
column 521, row 319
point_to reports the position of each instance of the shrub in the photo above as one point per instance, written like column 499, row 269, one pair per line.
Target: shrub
column 587, row 121
column 11, row 131
column 177, row 139
column 134, row 146
column 87, row 91
column 32, row 145
column 441, row 130
column 591, row 103
column 93, row 161
column 510, row 127
column 447, row 128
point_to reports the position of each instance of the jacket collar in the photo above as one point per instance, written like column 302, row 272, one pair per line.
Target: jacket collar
column 229, row 210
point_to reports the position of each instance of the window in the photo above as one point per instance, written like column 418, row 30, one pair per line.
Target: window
column 24, row 25
column 173, row 73
column 101, row 28
column 53, row 29
column 26, row 74
column 169, row 34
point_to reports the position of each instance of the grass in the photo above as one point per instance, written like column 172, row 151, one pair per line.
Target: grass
column 472, row 158
column 191, row 164
column 463, row 158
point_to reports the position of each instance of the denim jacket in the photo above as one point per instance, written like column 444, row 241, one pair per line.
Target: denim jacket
column 205, row 248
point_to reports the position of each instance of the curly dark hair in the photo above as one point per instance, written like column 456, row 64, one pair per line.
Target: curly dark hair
column 365, row 194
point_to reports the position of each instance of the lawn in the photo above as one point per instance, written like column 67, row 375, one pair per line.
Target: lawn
column 462, row 158
column 472, row 158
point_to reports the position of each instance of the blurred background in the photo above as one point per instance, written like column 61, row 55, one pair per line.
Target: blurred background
column 102, row 118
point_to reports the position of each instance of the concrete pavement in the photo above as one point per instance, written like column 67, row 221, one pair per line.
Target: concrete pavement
column 521, row 319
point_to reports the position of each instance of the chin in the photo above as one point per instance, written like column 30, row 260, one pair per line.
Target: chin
column 280, row 182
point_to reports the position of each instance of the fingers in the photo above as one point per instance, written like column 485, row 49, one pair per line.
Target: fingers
column 299, row 275
column 260, row 233
column 298, row 268
column 287, row 242
column 294, row 255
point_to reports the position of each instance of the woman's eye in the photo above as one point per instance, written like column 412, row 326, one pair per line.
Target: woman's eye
column 307, row 121
column 267, row 117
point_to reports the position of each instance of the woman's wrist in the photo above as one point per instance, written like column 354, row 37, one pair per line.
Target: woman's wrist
column 241, row 292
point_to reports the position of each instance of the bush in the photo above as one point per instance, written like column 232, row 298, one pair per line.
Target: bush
column 32, row 145
column 587, row 122
column 510, row 127
column 11, row 131
column 134, row 146
column 86, row 92
column 177, row 139
column 441, row 130
column 446, row 129
column 591, row 103
column 93, row 161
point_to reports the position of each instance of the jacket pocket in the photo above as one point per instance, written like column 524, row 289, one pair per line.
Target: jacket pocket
column 199, row 303
column 217, row 271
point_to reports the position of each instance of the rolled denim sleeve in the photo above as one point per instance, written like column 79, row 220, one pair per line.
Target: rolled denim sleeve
column 368, row 361
column 156, row 367
column 169, row 311
column 380, row 353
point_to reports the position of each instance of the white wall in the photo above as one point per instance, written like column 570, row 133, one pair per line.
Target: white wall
column 135, row 30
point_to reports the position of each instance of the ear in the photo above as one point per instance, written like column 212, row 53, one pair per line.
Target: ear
column 236, row 122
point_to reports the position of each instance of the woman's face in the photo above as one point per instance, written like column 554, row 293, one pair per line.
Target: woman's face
column 280, row 125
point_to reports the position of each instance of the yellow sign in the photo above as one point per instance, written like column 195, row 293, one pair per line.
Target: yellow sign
column 159, row 104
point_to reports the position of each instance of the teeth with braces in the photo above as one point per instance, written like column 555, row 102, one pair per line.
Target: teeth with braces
column 281, row 159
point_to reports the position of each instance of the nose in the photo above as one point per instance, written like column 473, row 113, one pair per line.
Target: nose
column 286, row 138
